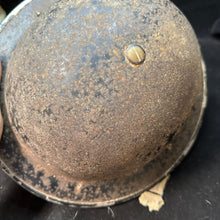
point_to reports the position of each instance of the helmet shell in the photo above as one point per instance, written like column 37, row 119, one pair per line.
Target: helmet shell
column 101, row 99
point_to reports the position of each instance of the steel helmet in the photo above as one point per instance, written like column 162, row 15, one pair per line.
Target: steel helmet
column 100, row 99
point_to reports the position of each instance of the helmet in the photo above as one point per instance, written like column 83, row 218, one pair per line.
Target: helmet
column 101, row 99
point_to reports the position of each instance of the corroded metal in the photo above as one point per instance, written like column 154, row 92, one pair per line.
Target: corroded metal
column 83, row 125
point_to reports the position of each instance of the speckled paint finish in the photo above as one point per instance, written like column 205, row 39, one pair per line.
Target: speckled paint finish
column 83, row 125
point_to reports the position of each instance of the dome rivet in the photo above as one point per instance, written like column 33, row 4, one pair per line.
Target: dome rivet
column 135, row 54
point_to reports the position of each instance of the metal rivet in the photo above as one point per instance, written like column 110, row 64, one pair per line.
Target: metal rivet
column 135, row 54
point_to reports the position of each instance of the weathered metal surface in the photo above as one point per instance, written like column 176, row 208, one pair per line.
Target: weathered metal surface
column 83, row 124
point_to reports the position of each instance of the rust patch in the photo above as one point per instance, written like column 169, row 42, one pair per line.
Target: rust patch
column 87, row 127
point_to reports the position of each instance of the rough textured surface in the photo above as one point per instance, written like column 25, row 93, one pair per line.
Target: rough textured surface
column 93, row 129
column 184, row 199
